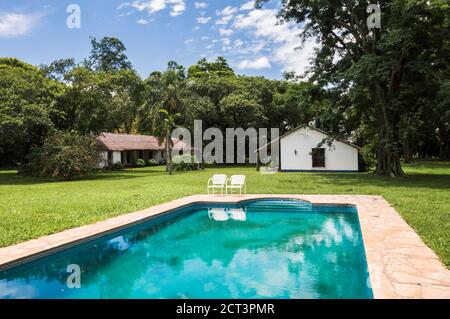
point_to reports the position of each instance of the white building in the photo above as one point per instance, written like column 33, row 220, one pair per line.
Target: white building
column 300, row 151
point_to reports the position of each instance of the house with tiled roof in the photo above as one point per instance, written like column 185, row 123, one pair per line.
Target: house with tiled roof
column 128, row 148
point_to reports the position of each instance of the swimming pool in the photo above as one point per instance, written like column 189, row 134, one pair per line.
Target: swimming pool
column 284, row 249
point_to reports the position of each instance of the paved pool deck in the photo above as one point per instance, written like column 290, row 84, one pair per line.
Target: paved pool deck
column 400, row 264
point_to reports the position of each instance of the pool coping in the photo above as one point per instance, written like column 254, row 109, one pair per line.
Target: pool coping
column 400, row 264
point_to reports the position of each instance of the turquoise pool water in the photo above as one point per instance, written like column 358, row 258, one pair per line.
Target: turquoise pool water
column 285, row 249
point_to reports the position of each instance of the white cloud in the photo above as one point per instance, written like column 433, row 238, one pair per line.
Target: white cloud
column 152, row 6
column 224, row 20
column 226, row 41
column 238, row 43
column 248, row 5
column 226, row 32
column 201, row 5
column 282, row 39
column 13, row 24
column 123, row 5
column 178, row 8
column 126, row 14
column 255, row 47
column 142, row 21
column 191, row 40
column 260, row 63
column 226, row 15
column 227, row 11
column 203, row 20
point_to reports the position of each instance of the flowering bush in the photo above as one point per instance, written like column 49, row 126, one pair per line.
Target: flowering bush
column 63, row 154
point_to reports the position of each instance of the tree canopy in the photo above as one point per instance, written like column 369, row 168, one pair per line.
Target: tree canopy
column 27, row 104
column 386, row 90
column 107, row 55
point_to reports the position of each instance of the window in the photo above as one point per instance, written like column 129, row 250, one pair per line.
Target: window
column 318, row 157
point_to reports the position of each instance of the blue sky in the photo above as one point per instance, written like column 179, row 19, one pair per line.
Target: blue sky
column 156, row 31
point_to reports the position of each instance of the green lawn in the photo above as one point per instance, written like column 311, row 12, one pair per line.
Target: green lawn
column 33, row 207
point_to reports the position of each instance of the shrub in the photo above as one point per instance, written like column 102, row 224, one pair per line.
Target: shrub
column 117, row 166
column 140, row 162
column 367, row 158
column 151, row 162
column 63, row 154
column 184, row 163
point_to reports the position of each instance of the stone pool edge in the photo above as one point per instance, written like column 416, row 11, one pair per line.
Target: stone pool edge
column 400, row 264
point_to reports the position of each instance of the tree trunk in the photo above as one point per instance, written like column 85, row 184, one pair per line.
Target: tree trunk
column 388, row 157
column 382, row 93
column 407, row 151
column 168, row 156
column 257, row 160
column 444, row 151
column 444, row 140
column 388, row 161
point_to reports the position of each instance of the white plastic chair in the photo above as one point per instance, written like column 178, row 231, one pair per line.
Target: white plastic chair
column 238, row 214
column 218, row 214
column 236, row 182
column 217, row 181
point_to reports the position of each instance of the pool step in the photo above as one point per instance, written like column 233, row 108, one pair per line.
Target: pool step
column 294, row 206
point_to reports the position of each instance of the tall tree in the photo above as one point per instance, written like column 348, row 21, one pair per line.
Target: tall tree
column 163, row 106
column 178, row 68
column 85, row 105
column 206, row 69
column 107, row 55
column 26, row 107
column 164, row 124
column 58, row 69
column 126, row 95
column 369, row 66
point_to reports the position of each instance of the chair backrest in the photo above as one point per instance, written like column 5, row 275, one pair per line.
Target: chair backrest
column 237, row 180
column 219, row 179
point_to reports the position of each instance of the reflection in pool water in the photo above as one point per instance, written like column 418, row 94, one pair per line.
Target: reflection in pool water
column 285, row 249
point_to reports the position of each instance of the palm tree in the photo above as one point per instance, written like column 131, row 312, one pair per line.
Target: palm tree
column 164, row 125
column 166, row 110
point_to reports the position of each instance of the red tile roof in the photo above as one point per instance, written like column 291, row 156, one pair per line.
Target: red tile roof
column 126, row 142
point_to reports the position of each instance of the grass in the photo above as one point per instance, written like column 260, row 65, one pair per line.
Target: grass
column 33, row 207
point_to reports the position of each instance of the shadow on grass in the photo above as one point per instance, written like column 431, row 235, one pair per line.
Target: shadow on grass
column 412, row 180
column 11, row 177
